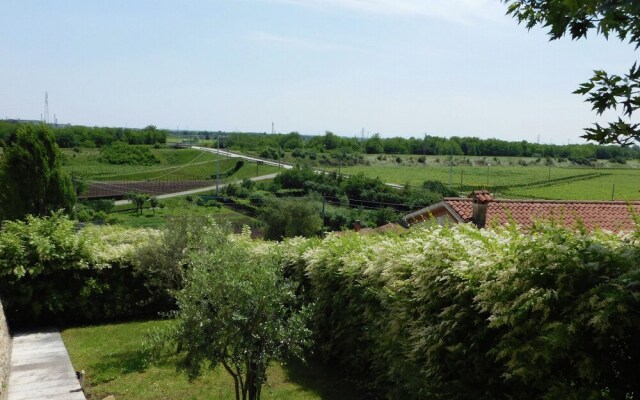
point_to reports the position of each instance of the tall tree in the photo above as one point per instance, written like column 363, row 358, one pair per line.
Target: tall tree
column 31, row 177
column 604, row 91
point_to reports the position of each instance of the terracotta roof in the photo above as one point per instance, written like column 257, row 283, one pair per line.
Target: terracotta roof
column 609, row 215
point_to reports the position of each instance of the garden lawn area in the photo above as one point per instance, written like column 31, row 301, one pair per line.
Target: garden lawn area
column 175, row 207
column 115, row 364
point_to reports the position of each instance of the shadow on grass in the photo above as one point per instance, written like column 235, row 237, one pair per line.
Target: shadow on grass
column 328, row 384
column 113, row 366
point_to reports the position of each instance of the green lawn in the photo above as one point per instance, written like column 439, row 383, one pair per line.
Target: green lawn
column 115, row 364
column 176, row 207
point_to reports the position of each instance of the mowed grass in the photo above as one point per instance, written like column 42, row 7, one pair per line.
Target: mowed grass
column 176, row 207
column 517, row 181
column 115, row 364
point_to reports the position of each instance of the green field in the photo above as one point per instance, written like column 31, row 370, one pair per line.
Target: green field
column 180, row 164
column 115, row 364
column 509, row 179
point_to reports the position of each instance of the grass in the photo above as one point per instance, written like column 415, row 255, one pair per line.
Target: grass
column 175, row 164
column 115, row 364
column 175, row 207
column 532, row 181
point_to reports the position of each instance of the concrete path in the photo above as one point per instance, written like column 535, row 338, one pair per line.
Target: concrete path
column 41, row 369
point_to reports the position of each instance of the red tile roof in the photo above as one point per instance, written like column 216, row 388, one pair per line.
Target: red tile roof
column 610, row 215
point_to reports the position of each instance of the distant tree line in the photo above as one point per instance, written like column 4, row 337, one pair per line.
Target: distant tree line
column 69, row 136
column 274, row 146
column 429, row 145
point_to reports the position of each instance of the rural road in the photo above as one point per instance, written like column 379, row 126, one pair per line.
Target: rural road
column 237, row 155
column 222, row 185
column 198, row 190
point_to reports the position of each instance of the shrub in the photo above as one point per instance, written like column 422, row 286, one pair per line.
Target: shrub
column 121, row 153
column 461, row 313
column 52, row 274
column 289, row 218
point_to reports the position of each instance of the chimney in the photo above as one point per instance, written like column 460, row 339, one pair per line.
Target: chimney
column 357, row 226
column 481, row 200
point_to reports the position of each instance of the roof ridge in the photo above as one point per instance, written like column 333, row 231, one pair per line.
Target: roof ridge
column 613, row 202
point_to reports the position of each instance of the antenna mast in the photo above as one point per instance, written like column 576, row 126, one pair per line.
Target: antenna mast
column 46, row 107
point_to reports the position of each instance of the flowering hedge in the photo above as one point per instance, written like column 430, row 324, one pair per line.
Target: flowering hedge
column 51, row 273
column 461, row 313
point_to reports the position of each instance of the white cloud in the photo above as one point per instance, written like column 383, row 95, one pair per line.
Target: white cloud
column 453, row 10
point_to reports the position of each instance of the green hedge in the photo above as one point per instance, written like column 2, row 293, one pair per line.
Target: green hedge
column 463, row 313
column 51, row 273
column 438, row 313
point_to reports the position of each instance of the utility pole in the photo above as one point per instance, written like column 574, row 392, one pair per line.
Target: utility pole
column 450, row 169
column 46, row 107
column 613, row 191
column 424, row 149
column 218, row 169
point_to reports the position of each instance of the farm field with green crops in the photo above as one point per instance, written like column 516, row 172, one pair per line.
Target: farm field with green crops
column 515, row 181
column 174, row 164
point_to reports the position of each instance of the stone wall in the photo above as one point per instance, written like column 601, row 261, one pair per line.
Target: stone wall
column 5, row 354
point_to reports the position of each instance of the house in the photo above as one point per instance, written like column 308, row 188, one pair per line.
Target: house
column 482, row 209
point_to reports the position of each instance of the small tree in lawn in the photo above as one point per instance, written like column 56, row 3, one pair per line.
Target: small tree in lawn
column 237, row 310
column 138, row 199
column 153, row 202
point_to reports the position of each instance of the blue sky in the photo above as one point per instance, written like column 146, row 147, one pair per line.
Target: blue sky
column 396, row 67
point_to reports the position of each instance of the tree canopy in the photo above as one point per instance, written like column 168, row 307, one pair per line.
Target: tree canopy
column 238, row 310
column 605, row 91
column 31, row 177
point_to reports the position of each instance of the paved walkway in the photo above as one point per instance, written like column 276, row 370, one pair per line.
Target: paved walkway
column 41, row 369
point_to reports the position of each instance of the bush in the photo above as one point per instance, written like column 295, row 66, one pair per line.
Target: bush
column 121, row 153
column 52, row 274
column 463, row 313
column 289, row 218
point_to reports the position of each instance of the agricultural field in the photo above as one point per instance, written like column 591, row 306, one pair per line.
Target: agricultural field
column 174, row 164
column 514, row 178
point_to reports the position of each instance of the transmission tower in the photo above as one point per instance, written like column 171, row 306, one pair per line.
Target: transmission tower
column 46, row 108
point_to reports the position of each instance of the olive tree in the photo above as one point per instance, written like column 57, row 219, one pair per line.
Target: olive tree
column 236, row 310
column 605, row 91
